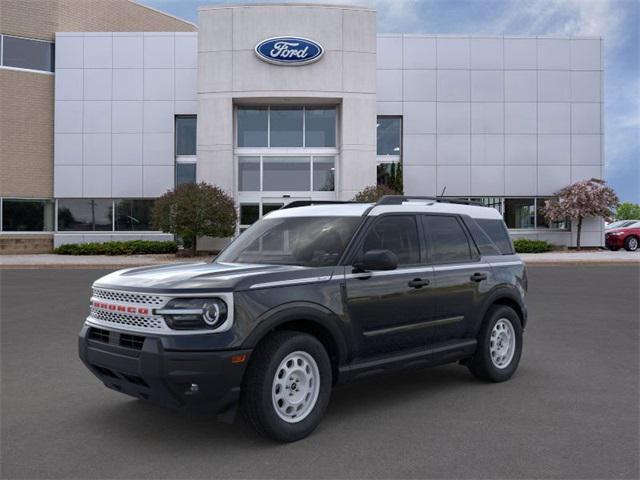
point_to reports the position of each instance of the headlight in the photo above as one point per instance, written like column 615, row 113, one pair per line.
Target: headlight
column 616, row 233
column 194, row 313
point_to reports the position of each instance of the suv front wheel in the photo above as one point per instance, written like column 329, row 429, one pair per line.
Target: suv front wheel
column 499, row 345
column 287, row 386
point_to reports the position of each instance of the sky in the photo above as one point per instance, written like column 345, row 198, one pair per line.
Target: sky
column 617, row 21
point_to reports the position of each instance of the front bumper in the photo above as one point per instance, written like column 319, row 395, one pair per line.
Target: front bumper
column 614, row 241
column 142, row 367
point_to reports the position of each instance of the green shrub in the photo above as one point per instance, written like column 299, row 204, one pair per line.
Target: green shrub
column 524, row 245
column 132, row 247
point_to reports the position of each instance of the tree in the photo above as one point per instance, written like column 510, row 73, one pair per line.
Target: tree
column 373, row 193
column 195, row 210
column 628, row 211
column 586, row 198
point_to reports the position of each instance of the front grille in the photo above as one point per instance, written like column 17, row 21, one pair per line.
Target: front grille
column 123, row 319
column 131, row 341
column 99, row 335
column 125, row 297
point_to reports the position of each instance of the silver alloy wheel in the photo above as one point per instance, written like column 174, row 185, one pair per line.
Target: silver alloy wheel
column 633, row 244
column 296, row 386
column 502, row 346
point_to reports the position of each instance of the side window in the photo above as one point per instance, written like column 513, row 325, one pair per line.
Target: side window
column 398, row 233
column 484, row 243
column 497, row 232
column 447, row 239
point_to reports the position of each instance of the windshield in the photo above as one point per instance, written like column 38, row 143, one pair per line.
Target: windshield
column 621, row 224
column 304, row 241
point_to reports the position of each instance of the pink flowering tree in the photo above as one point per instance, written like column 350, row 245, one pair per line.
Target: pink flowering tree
column 586, row 198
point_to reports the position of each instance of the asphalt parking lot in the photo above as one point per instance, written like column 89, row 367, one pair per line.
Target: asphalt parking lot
column 571, row 411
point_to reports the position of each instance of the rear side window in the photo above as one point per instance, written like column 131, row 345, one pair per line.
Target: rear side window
column 447, row 240
column 482, row 240
column 498, row 234
column 398, row 233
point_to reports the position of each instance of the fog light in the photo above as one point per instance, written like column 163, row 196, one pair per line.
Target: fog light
column 193, row 389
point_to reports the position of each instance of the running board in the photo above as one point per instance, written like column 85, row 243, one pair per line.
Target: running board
column 438, row 354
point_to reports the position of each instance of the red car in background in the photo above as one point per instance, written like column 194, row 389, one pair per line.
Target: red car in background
column 626, row 237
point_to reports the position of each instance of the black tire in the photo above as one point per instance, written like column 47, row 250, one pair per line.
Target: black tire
column 481, row 364
column 631, row 243
column 256, row 398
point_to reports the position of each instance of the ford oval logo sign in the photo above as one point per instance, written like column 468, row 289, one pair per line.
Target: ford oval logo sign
column 289, row 51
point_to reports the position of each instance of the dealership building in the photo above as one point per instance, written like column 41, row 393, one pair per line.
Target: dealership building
column 273, row 103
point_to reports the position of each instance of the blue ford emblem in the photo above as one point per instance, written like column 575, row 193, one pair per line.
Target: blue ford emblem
column 289, row 50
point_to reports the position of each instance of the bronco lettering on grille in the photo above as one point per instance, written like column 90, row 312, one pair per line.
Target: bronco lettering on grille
column 120, row 308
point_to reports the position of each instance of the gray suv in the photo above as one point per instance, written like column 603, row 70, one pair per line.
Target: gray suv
column 309, row 297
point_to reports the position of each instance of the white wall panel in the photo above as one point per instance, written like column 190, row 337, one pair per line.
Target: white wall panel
column 126, row 117
column 419, row 85
column 126, row 149
column 521, row 85
column 419, row 52
column 586, row 150
column 586, row 54
column 158, row 51
column 454, row 117
column 520, row 53
column 96, row 149
column 554, row 54
column 419, row 117
column 389, row 85
column 487, row 85
column 520, row 118
column 158, row 149
column 69, row 50
column 454, row 149
column 554, row 149
column 127, row 51
column 487, row 53
column 487, row 180
column 487, row 117
column 520, row 180
column 156, row 180
column 67, row 181
column 585, row 86
column 68, row 84
column 98, row 51
column 68, row 116
column 520, row 149
column 554, row 86
column 97, row 84
column 419, row 149
column 158, row 117
column 585, row 118
column 455, row 178
column 420, row 180
column 126, row 181
column 487, row 149
column 453, row 52
column 96, row 117
column 96, row 181
column 128, row 84
column 389, row 52
column 68, row 149
column 454, row 85
column 554, row 117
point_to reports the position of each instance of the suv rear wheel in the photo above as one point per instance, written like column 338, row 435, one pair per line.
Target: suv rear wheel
column 287, row 386
column 499, row 345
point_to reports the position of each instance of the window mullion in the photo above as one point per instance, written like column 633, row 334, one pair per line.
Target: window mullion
column 304, row 127
column 269, row 126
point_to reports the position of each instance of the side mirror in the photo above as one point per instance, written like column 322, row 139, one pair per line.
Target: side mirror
column 377, row 260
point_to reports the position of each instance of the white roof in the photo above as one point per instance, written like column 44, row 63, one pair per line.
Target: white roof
column 357, row 209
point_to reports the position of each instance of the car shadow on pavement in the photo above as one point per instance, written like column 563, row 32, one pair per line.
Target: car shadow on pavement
column 165, row 428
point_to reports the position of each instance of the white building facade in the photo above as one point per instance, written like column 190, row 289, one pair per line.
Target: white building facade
column 504, row 120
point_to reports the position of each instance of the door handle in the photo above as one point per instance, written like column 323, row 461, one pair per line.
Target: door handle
column 418, row 283
column 478, row 277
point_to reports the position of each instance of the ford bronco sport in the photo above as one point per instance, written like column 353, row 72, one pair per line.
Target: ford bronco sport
column 310, row 297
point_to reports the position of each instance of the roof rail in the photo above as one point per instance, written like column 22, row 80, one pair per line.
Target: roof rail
column 399, row 199
column 308, row 203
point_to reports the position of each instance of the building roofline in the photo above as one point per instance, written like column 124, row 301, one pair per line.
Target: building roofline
column 287, row 4
column 164, row 13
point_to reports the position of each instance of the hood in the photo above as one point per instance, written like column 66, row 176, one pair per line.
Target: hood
column 192, row 277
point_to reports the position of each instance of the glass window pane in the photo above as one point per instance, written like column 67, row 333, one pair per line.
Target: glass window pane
column 186, row 135
column 324, row 169
column 84, row 214
column 519, row 212
column 133, row 215
column 185, row 173
column 397, row 233
column 320, row 127
column 25, row 53
column 249, row 213
column 447, row 240
column 286, row 173
column 493, row 202
column 498, row 234
column 542, row 221
column 22, row 215
column 252, row 126
column 249, row 174
column 285, row 124
column 389, row 131
column 270, row 207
